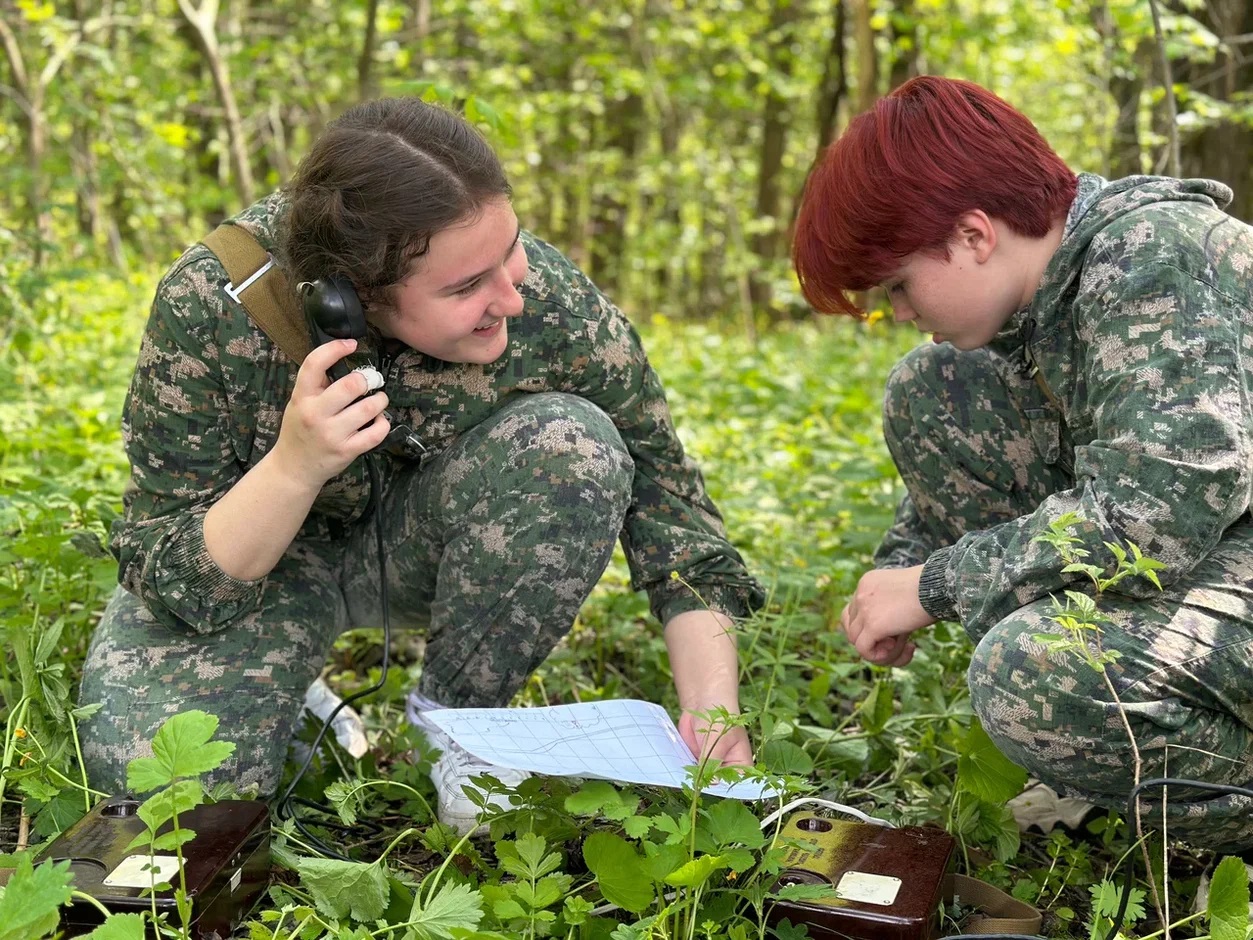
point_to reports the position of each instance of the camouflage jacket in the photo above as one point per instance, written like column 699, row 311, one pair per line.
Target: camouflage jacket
column 1142, row 332
column 207, row 398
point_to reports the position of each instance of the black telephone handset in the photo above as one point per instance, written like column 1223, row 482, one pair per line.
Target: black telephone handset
column 333, row 311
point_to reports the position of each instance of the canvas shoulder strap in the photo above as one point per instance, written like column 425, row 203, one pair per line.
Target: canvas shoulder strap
column 261, row 286
column 997, row 912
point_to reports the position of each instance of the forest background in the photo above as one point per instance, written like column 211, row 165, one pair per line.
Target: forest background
column 662, row 146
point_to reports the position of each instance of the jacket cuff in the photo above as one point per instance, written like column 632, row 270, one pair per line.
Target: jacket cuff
column 674, row 598
column 933, row 591
column 192, row 586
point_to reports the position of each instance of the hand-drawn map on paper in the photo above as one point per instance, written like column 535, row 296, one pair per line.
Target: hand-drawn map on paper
column 623, row 739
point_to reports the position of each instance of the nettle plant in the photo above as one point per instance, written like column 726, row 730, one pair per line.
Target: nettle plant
column 182, row 753
column 1080, row 618
column 590, row 859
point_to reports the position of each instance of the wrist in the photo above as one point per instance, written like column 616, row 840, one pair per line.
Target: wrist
column 300, row 474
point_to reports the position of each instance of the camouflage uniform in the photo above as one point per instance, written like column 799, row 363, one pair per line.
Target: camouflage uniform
column 534, row 465
column 1123, row 392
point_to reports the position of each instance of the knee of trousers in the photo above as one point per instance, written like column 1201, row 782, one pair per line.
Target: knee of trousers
column 141, row 674
column 922, row 375
column 553, row 442
column 1048, row 712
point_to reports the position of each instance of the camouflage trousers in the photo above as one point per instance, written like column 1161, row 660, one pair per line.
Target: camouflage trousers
column 976, row 444
column 491, row 547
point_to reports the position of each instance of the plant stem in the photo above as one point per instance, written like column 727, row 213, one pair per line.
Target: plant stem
column 82, row 896
column 1135, row 782
column 82, row 768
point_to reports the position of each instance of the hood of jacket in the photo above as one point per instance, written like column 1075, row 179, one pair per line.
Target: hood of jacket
column 1099, row 203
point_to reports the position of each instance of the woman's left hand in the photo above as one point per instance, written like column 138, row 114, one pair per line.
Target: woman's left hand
column 715, row 740
column 705, row 665
column 882, row 613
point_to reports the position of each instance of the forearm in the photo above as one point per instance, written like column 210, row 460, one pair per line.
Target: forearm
column 247, row 531
column 704, row 660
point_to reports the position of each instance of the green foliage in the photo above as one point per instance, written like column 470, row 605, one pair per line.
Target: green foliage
column 618, row 870
column 1228, row 905
column 1106, row 899
column 984, row 771
column 452, row 908
column 30, row 903
column 787, row 432
column 181, row 748
column 1080, row 616
column 119, row 927
column 346, row 889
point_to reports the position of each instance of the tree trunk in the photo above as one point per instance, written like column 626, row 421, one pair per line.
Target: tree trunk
column 203, row 31
column 1224, row 150
column 421, row 19
column 1125, row 84
column 776, row 118
column 867, row 57
column 904, row 44
column 834, row 81
column 29, row 90
column 624, row 122
column 365, row 65
column 83, row 157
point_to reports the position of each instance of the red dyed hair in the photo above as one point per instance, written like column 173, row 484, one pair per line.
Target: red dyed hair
column 902, row 174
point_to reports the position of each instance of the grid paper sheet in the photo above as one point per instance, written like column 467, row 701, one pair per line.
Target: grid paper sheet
column 627, row 740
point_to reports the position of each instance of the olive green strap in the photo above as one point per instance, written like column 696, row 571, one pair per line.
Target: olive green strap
column 261, row 287
column 996, row 911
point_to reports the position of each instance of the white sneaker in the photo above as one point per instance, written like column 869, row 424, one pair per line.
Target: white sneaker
column 1041, row 806
column 452, row 772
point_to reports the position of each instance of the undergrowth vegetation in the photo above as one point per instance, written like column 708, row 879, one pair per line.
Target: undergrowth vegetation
column 787, row 431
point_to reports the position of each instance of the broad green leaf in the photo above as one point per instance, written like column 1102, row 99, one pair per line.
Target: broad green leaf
column 731, row 823
column 619, row 870
column 345, row 889
column 547, row 892
column 119, row 927
column 877, row 707
column 530, row 849
column 803, row 892
column 453, row 907
column 696, row 872
column 575, row 910
column 172, row 840
column 985, row 771
column 65, row 809
column 1228, row 905
column 30, row 903
column 637, row 826
column 161, row 807
column 784, row 757
column 660, row 860
column 181, row 748
column 508, row 909
column 600, row 796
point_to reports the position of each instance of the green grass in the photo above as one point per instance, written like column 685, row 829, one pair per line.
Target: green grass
column 788, row 435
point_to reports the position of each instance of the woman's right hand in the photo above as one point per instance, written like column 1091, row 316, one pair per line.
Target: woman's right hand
column 325, row 427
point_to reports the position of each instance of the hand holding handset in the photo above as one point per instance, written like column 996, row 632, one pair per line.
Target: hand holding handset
column 334, row 312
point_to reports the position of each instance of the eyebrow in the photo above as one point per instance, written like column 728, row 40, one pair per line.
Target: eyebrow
column 465, row 281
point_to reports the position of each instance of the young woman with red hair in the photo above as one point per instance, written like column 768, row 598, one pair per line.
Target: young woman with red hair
column 1092, row 354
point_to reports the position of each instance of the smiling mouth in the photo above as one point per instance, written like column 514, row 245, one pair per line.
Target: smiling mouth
column 488, row 330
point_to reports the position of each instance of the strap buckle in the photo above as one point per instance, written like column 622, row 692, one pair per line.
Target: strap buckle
column 233, row 292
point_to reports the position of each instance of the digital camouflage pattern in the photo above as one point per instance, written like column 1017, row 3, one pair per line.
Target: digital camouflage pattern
column 534, row 465
column 1123, row 392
